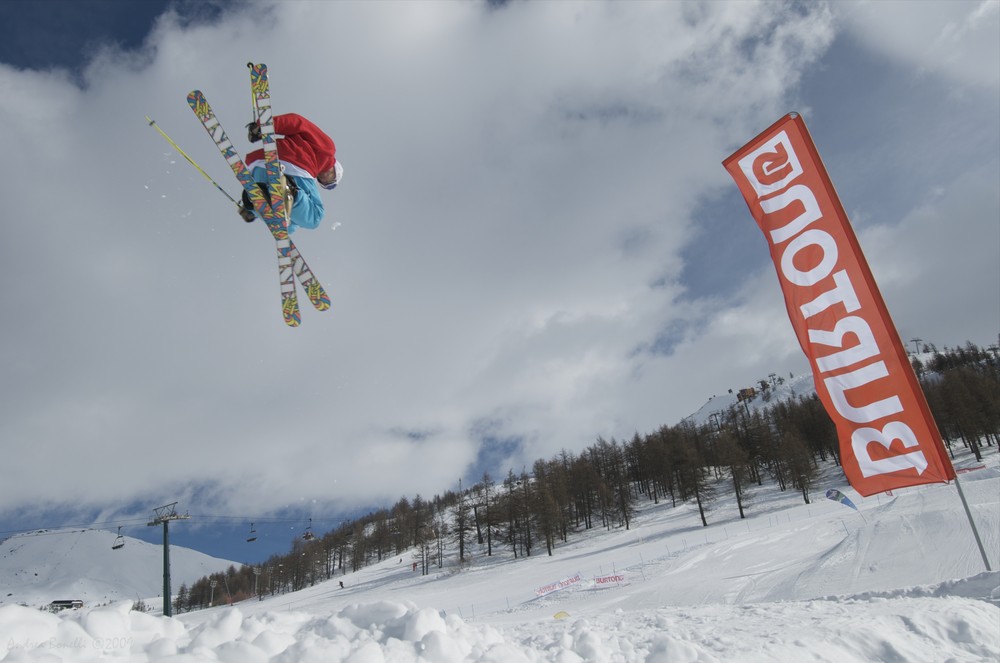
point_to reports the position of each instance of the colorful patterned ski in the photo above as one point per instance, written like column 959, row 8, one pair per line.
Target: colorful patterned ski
column 289, row 301
column 290, row 261
column 261, row 89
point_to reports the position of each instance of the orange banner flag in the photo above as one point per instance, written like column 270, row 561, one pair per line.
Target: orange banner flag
column 888, row 438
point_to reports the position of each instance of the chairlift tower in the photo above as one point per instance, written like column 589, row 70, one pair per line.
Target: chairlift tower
column 163, row 515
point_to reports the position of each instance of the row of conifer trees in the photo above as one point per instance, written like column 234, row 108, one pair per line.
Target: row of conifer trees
column 739, row 453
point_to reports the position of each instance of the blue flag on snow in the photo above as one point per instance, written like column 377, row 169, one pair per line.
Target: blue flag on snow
column 838, row 496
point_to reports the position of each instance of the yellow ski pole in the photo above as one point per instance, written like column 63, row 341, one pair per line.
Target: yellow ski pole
column 191, row 161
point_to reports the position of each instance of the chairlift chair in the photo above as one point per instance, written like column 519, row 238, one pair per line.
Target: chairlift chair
column 253, row 534
column 119, row 540
column 308, row 534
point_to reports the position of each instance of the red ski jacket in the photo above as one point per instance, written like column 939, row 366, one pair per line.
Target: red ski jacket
column 304, row 145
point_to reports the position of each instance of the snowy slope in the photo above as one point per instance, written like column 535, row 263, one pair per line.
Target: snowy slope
column 791, row 388
column 792, row 582
column 39, row 567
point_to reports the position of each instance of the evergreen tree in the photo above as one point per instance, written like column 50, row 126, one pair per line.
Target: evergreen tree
column 732, row 455
column 487, row 502
column 182, row 602
column 462, row 523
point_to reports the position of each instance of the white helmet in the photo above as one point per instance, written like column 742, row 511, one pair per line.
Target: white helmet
column 338, row 171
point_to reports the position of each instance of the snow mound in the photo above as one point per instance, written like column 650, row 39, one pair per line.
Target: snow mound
column 847, row 630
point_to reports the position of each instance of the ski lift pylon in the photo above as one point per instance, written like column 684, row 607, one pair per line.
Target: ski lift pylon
column 119, row 540
column 252, row 536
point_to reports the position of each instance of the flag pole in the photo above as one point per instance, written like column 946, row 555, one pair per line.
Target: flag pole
column 975, row 530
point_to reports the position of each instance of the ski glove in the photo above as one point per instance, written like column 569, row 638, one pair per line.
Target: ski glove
column 253, row 131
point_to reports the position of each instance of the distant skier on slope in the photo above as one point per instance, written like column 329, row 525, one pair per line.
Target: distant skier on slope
column 309, row 159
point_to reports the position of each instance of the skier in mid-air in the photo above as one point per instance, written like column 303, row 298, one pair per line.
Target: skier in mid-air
column 308, row 157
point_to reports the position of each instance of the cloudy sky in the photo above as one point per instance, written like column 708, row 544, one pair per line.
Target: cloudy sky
column 535, row 243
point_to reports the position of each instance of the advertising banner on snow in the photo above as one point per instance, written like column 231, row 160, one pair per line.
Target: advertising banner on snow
column 888, row 438
column 610, row 580
column 556, row 586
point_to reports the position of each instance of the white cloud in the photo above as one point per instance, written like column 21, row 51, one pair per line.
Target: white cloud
column 958, row 220
column 958, row 39
column 511, row 227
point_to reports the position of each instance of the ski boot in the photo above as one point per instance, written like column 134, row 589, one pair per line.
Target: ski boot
column 291, row 192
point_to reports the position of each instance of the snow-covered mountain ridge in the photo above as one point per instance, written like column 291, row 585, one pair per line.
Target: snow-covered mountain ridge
column 779, row 389
column 39, row 567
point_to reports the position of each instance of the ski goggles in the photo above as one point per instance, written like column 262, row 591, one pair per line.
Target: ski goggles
column 339, row 170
